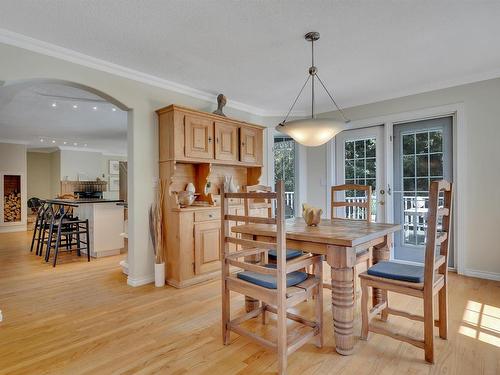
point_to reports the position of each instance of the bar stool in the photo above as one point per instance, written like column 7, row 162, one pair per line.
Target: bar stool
column 39, row 223
column 65, row 232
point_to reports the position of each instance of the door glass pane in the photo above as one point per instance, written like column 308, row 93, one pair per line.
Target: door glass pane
column 408, row 144
column 360, row 168
column 425, row 161
column 284, row 169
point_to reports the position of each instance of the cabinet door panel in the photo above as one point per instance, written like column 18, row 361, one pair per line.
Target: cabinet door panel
column 199, row 135
column 207, row 247
column 226, row 141
column 250, row 145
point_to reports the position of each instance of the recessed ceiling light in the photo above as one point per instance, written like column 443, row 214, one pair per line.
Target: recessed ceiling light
column 113, row 109
column 75, row 106
column 53, row 141
column 75, row 144
column 94, row 108
column 54, row 105
column 85, row 145
column 41, row 139
column 65, row 142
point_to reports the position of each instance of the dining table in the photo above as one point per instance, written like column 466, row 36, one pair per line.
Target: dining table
column 344, row 243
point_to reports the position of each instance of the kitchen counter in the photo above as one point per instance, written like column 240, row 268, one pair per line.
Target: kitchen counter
column 83, row 201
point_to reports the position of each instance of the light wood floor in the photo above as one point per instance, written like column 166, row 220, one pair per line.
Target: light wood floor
column 82, row 318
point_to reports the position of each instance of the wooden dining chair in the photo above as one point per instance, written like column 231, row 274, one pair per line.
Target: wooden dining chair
column 361, row 206
column 290, row 253
column 360, row 209
column 418, row 281
column 279, row 286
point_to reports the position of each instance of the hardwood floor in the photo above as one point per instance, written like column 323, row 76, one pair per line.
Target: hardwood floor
column 82, row 318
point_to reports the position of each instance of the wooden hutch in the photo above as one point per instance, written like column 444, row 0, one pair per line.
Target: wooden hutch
column 202, row 148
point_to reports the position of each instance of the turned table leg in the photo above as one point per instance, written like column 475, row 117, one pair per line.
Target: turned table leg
column 381, row 252
column 342, row 261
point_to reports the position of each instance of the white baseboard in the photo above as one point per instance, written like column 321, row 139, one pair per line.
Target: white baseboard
column 482, row 274
column 10, row 229
column 139, row 281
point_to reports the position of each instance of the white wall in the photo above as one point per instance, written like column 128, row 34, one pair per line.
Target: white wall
column 73, row 163
column 142, row 133
column 39, row 175
column 481, row 103
column 55, row 173
column 13, row 161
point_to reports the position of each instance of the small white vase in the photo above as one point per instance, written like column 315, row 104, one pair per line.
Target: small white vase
column 159, row 275
column 190, row 188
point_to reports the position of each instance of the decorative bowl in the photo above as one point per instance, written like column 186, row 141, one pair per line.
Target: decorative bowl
column 185, row 198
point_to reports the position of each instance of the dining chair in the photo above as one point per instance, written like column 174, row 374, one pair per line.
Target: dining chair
column 356, row 208
column 359, row 207
column 290, row 253
column 418, row 281
column 279, row 286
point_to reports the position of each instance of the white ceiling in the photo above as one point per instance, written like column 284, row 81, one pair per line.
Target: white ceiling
column 27, row 115
column 253, row 51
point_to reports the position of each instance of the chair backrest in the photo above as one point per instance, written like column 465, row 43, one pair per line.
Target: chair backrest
column 437, row 263
column 252, row 247
column 257, row 189
column 361, row 206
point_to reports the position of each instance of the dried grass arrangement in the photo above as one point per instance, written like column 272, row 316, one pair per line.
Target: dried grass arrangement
column 156, row 223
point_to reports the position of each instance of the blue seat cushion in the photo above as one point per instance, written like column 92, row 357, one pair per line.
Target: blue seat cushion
column 269, row 281
column 290, row 254
column 398, row 271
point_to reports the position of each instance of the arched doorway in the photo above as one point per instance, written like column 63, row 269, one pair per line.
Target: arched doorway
column 74, row 97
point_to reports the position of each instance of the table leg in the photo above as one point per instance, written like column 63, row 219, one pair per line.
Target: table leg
column 342, row 261
column 381, row 252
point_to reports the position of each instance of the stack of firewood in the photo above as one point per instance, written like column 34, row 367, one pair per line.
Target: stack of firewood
column 12, row 207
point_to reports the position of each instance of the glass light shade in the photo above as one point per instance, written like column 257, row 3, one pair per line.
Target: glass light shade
column 312, row 132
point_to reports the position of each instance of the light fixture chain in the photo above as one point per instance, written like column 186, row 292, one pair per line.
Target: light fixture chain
column 312, row 79
column 333, row 100
column 297, row 98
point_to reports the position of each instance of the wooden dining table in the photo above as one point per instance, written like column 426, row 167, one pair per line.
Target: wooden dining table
column 344, row 243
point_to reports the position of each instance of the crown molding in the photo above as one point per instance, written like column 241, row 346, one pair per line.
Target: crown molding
column 14, row 141
column 49, row 49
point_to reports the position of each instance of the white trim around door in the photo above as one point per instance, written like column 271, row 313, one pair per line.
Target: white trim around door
column 455, row 110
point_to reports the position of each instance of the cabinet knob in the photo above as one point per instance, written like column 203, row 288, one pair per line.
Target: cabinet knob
column 243, row 143
column 209, row 139
column 210, row 215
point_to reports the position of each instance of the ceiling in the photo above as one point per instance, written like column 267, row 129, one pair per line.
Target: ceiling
column 254, row 51
column 49, row 115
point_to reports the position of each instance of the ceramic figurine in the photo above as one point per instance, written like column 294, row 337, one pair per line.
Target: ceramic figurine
column 311, row 215
column 190, row 188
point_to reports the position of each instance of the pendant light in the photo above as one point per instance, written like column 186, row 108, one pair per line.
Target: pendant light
column 312, row 131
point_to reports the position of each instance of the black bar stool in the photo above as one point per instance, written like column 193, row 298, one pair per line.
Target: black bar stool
column 66, row 231
column 39, row 224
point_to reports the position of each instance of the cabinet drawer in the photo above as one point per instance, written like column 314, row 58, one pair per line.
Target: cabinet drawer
column 207, row 215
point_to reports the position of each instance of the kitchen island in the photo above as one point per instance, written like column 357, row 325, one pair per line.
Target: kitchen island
column 106, row 223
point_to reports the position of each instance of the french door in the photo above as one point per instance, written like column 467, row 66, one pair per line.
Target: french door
column 422, row 153
column 360, row 160
column 285, row 167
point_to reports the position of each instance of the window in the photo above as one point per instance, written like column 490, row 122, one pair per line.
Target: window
column 284, row 150
column 360, row 168
column 422, row 163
